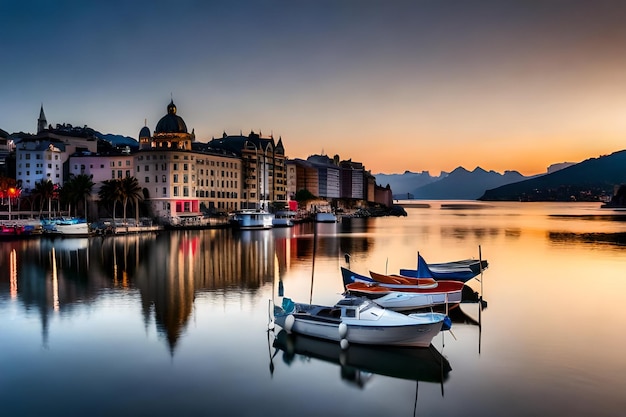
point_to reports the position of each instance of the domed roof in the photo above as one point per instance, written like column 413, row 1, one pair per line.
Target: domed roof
column 144, row 132
column 171, row 123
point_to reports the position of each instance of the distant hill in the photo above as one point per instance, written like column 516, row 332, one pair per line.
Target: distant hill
column 462, row 184
column 403, row 184
column 585, row 181
column 118, row 140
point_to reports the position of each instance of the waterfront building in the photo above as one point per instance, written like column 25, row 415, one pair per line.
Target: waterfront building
column 102, row 166
column 352, row 180
column 264, row 178
column 181, row 178
column 333, row 179
column 45, row 156
column 329, row 184
column 301, row 175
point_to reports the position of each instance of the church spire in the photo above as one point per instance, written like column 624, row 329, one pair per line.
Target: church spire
column 42, row 123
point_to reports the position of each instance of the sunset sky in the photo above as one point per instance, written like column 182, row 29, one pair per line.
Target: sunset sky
column 397, row 85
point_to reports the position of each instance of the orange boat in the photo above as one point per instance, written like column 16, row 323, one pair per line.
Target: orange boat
column 402, row 280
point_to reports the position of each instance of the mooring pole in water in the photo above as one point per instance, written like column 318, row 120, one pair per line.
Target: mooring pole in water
column 480, row 299
column 313, row 266
column 480, row 264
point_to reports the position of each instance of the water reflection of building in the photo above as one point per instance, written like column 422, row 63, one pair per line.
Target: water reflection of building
column 176, row 266
column 168, row 269
column 50, row 276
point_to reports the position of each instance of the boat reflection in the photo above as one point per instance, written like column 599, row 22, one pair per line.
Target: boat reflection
column 360, row 363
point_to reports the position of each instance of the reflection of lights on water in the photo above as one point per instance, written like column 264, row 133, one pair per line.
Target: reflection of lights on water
column 13, row 274
column 55, row 283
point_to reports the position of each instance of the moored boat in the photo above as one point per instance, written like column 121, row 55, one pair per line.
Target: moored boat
column 391, row 281
column 64, row 226
column 462, row 270
column 358, row 320
column 248, row 219
column 283, row 218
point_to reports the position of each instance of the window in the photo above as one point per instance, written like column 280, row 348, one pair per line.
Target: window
column 112, row 164
column 185, row 191
column 164, row 191
column 127, row 173
column 175, row 177
column 128, row 162
column 119, row 163
column 175, row 167
column 112, row 174
column 175, row 191
column 185, row 178
column 147, row 179
column 185, row 167
column 147, row 168
column 163, row 178
column 119, row 173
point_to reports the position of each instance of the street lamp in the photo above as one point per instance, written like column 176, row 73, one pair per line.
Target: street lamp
column 11, row 193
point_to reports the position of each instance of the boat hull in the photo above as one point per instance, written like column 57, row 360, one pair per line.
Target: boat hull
column 371, row 325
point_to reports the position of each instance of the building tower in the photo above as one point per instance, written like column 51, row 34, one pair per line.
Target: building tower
column 171, row 132
column 42, row 123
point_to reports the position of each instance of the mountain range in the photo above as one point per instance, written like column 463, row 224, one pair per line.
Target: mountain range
column 459, row 184
column 589, row 180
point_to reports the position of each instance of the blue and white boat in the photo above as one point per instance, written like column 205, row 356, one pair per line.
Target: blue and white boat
column 284, row 218
column 249, row 219
column 66, row 226
column 462, row 270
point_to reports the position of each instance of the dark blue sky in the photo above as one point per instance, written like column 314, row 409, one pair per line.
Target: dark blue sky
column 397, row 85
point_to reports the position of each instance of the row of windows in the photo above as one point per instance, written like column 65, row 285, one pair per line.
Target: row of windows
column 82, row 167
column 119, row 163
column 38, row 156
column 119, row 174
column 223, row 164
column 37, row 173
column 27, row 165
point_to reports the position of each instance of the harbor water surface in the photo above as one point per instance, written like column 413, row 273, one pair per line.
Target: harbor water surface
column 176, row 323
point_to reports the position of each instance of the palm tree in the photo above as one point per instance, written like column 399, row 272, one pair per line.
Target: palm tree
column 44, row 190
column 111, row 191
column 66, row 195
column 131, row 191
column 80, row 187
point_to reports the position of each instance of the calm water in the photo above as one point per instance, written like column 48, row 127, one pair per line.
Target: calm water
column 176, row 323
